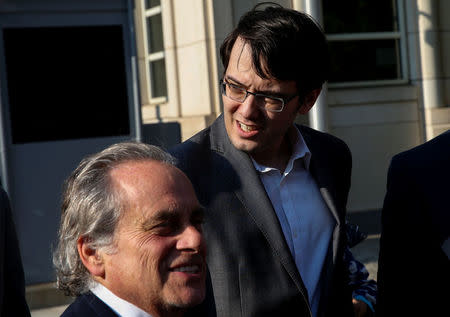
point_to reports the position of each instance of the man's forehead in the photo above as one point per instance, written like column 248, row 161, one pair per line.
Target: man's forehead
column 139, row 174
column 151, row 183
column 241, row 61
column 241, row 56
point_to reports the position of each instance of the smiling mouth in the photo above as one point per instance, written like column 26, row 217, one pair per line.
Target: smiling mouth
column 194, row 269
column 246, row 128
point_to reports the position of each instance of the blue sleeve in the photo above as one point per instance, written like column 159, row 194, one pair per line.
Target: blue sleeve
column 363, row 289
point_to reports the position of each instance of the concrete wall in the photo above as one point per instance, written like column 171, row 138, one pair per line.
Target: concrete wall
column 376, row 123
column 428, row 45
column 192, row 72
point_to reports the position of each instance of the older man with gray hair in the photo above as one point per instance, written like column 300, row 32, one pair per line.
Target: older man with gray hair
column 130, row 239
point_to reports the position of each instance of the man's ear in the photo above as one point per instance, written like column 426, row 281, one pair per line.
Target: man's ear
column 91, row 258
column 309, row 101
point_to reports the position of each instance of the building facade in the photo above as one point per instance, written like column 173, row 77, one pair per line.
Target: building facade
column 157, row 62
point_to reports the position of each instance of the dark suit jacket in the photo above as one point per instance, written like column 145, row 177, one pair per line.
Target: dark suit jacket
column 413, row 271
column 251, row 268
column 87, row 305
column 12, row 283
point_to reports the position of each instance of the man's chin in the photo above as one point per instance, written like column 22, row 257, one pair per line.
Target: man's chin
column 188, row 300
column 247, row 146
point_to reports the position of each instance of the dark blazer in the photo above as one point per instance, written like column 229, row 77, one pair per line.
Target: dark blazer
column 251, row 268
column 87, row 305
column 12, row 282
column 413, row 270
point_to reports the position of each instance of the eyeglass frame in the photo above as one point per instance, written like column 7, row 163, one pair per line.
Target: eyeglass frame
column 284, row 100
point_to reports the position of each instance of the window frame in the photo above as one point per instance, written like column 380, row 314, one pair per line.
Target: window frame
column 145, row 58
column 399, row 35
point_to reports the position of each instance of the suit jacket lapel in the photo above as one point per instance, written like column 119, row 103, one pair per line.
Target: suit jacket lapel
column 320, row 170
column 94, row 305
column 255, row 201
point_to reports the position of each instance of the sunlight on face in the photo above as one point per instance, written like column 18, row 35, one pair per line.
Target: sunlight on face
column 160, row 260
column 256, row 131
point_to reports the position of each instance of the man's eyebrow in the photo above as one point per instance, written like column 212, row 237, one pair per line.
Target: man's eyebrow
column 228, row 77
column 159, row 217
column 166, row 215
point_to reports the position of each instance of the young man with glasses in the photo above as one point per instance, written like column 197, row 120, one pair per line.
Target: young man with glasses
column 275, row 193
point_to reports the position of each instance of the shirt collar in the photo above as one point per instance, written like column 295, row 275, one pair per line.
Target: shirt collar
column 117, row 304
column 299, row 151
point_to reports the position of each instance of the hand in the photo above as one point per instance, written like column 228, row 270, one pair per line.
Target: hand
column 361, row 309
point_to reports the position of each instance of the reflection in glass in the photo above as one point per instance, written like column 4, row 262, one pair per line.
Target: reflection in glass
column 379, row 60
column 356, row 16
column 152, row 3
column 158, row 78
column 155, row 34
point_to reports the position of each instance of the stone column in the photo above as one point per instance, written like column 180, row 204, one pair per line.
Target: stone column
column 318, row 115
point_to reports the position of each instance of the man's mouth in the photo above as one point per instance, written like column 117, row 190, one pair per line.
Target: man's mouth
column 188, row 269
column 245, row 127
column 189, row 265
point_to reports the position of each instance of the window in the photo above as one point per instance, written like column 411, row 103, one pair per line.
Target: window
column 73, row 87
column 152, row 64
column 366, row 41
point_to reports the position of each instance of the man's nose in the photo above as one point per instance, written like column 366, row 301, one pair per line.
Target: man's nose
column 191, row 239
column 250, row 107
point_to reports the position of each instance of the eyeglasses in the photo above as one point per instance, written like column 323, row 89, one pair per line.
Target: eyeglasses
column 269, row 103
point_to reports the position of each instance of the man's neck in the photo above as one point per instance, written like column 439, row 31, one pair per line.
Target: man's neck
column 275, row 159
column 169, row 313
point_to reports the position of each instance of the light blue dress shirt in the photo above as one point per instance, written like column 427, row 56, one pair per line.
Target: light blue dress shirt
column 305, row 219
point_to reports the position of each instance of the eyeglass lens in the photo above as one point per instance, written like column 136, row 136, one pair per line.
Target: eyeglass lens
column 240, row 94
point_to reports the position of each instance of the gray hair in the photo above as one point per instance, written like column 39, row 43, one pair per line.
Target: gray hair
column 91, row 209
